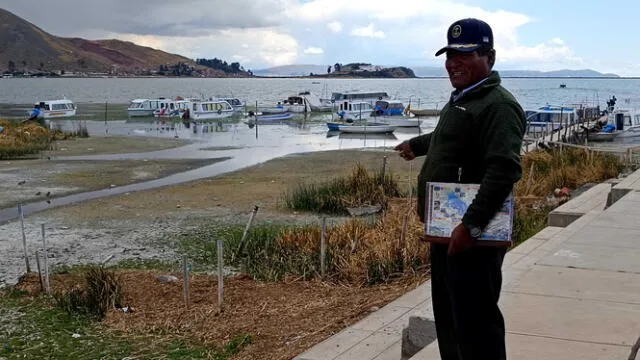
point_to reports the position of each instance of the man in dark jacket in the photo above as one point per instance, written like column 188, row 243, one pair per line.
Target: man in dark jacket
column 477, row 140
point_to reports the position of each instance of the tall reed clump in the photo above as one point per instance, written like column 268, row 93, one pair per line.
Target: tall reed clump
column 358, row 252
column 101, row 292
column 547, row 170
column 18, row 140
column 359, row 188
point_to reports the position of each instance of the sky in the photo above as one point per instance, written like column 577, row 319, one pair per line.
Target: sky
column 529, row 35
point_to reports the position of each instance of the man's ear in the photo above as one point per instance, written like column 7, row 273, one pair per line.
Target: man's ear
column 492, row 58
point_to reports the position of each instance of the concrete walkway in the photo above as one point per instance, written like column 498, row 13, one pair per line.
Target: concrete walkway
column 568, row 292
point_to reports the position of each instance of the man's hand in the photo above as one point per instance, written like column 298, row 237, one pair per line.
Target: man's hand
column 461, row 240
column 405, row 151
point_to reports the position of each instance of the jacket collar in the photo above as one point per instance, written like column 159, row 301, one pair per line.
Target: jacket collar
column 489, row 82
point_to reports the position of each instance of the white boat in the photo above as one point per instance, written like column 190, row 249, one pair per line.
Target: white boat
column 356, row 110
column 210, row 110
column 147, row 107
column 367, row 96
column 398, row 121
column 307, row 101
column 179, row 107
column 50, row 109
column 550, row 118
column 237, row 104
column 626, row 121
column 603, row 136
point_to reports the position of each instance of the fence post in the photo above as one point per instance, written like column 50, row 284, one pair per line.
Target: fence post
column 323, row 247
column 245, row 233
column 47, row 284
column 185, row 287
column 39, row 271
column 24, row 238
column 220, row 275
column 384, row 169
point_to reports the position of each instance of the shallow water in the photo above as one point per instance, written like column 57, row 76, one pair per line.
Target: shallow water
column 244, row 145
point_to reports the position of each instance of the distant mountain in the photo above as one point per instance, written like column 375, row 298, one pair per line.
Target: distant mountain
column 359, row 70
column 24, row 47
column 292, row 70
column 430, row 71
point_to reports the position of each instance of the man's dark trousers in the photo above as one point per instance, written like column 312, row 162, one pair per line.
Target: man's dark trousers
column 465, row 289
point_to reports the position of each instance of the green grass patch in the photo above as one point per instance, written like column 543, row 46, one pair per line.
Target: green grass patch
column 32, row 328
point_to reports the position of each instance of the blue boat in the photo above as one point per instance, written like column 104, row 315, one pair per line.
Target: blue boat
column 275, row 117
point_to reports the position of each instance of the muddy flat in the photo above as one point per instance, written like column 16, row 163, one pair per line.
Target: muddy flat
column 97, row 145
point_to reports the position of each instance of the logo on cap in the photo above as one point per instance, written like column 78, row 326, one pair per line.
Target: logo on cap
column 456, row 31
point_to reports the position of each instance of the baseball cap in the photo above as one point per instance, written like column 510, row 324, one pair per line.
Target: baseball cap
column 468, row 35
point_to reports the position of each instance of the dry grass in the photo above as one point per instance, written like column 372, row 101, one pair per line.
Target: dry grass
column 544, row 171
column 359, row 188
column 22, row 139
column 283, row 319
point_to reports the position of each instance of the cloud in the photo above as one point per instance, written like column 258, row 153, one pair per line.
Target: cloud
column 313, row 50
column 268, row 32
column 335, row 26
column 256, row 47
column 367, row 31
column 152, row 17
column 556, row 41
column 544, row 56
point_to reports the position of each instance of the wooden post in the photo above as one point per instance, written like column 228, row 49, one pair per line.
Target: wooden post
column 220, row 275
column 24, row 238
column 529, row 179
column 384, row 169
column 323, row 247
column 629, row 156
column 106, row 127
column 245, row 233
column 39, row 271
column 256, row 118
column 410, row 183
column 47, row 284
column 185, row 287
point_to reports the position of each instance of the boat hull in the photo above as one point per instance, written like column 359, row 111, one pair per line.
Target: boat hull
column 140, row 112
column 399, row 121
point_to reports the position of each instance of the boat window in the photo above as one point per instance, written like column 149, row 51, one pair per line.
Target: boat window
column 171, row 106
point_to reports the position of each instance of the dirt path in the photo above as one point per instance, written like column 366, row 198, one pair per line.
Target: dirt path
column 126, row 226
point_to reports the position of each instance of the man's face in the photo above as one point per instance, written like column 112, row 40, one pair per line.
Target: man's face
column 466, row 68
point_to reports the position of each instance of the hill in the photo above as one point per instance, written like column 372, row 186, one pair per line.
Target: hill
column 24, row 47
column 359, row 70
column 430, row 71
column 291, row 70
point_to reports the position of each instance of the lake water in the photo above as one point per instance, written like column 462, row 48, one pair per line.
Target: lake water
column 233, row 138
column 424, row 93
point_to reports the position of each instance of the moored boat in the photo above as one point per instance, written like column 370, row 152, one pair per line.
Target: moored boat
column 50, row 109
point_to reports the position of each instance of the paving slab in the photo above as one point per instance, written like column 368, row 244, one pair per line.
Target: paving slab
column 609, row 236
column 335, row 345
column 594, row 257
column 391, row 353
column 526, row 347
column 578, row 284
column 414, row 297
column 623, row 219
column 571, row 319
column 424, row 310
column 371, row 347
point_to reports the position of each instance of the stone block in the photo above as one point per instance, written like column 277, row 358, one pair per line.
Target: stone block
column 420, row 333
